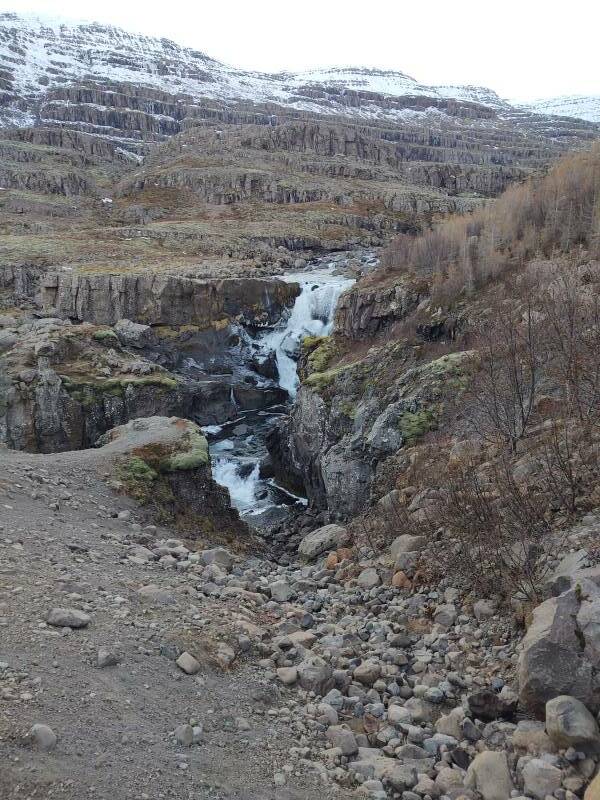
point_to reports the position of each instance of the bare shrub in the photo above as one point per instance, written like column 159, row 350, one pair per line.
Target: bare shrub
column 558, row 212
column 507, row 383
column 378, row 528
column 570, row 306
column 569, row 455
column 498, row 534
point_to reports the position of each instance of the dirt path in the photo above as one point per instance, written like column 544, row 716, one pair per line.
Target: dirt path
column 62, row 545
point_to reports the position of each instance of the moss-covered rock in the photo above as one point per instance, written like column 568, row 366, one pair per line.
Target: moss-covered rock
column 192, row 454
column 414, row 424
column 318, row 351
column 106, row 336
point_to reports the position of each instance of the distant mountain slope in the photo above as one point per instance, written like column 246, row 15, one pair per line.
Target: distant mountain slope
column 576, row 106
column 120, row 151
column 38, row 53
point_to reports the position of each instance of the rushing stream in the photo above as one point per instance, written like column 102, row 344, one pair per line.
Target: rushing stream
column 238, row 447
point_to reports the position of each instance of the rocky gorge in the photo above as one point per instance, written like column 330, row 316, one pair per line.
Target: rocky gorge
column 299, row 432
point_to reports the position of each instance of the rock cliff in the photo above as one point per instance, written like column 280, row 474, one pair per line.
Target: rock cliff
column 164, row 299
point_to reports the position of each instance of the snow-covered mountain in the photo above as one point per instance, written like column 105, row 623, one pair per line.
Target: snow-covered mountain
column 577, row 106
column 38, row 53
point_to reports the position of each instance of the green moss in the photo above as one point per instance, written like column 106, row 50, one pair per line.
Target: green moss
column 321, row 380
column 451, row 363
column 105, row 336
column 320, row 350
column 414, row 424
column 168, row 333
column 136, row 469
column 195, row 455
column 116, row 386
column 348, row 410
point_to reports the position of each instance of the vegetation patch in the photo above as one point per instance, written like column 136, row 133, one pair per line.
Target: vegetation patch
column 319, row 351
column 195, row 455
column 105, row 336
column 414, row 424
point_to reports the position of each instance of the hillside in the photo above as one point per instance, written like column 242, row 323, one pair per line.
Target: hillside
column 161, row 156
column 578, row 106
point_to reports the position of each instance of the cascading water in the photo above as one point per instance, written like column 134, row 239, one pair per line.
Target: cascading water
column 238, row 447
column 312, row 315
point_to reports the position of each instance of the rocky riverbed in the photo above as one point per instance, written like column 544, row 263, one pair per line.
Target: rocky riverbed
column 138, row 663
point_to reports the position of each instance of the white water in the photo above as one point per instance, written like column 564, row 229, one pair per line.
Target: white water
column 312, row 315
column 242, row 490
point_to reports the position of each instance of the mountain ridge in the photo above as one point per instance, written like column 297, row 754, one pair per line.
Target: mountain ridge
column 30, row 62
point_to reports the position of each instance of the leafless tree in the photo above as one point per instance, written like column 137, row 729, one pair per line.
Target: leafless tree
column 506, row 386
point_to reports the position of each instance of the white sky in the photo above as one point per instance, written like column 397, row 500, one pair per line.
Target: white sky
column 523, row 49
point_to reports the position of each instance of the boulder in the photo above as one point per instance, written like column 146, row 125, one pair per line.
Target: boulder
column 342, row 737
column 484, row 609
column 407, row 543
column 329, row 537
column 486, row 705
column 132, row 334
column 67, row 618
column 315, row 675
column 530, row 735
column 450, row 724
column 281, row 591
column 490, row 776
column 570, row 724
column 368, row 578
column 188, row 664
column 367, row 672
column 555, row 658
column 219, row 556
column 593, row 790
column 540, row 779
column 43, row 736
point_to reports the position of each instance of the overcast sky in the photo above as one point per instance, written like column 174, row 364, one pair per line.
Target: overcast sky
column 523, row 49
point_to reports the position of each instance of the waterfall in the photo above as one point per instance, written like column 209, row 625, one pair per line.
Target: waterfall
column 236, row 458
column 242, row 490
column 312, row 315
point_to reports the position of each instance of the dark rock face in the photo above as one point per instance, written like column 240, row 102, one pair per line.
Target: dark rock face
column 51, row 416
column 164, row 299
column 364, row 312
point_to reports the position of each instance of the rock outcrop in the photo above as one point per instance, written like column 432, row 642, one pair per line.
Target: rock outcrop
column 164, row 299
column 561, row 650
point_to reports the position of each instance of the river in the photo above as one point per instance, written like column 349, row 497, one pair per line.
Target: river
column 238, row 447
